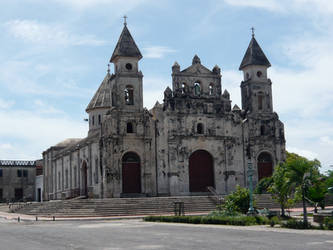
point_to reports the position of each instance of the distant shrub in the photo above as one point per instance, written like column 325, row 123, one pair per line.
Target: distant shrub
column 328, row 223
column 273, row 221
column 296, row 224
column 220, row 220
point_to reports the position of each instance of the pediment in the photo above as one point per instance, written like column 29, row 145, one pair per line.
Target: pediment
column 197, row 69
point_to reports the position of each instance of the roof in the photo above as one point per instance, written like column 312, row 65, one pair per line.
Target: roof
column 254, row 55
column 126, row 46
column 102, row 97
column 68, row 142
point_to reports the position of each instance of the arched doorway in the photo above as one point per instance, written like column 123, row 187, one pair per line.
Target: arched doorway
column 201, row 171
column 84, row 171
column 131, row 173
column 265, row 165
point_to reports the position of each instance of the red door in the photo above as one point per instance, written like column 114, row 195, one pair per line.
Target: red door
column 265, row 166
column 201, row 171
column 131, row 173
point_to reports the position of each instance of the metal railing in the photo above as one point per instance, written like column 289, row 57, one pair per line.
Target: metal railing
column 218, row 198
column 14, row 206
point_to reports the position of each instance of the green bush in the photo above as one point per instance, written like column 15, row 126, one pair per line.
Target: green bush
column 263, row 184
column 273, row 221
column 220, row 220
column 329, row 223
column 296, row 224
column 238, row 201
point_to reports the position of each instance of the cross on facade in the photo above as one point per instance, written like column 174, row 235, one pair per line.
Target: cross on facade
column 125, row 23
column 252, row 31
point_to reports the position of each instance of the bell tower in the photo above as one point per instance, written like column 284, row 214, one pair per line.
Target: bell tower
column 127, row 87
column 256, row 88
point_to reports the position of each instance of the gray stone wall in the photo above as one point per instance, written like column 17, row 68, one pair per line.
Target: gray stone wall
column 12, row 180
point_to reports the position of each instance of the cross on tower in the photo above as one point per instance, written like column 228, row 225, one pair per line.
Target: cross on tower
column 252, row 31
column 125, row 23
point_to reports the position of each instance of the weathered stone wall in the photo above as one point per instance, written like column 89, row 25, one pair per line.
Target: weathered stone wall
column 11, row 181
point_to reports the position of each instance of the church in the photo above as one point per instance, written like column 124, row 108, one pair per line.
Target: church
column 193, row 142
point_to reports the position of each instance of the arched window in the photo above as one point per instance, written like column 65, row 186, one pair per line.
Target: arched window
column 99, row 119
column 129, row 128
column 200, row 128
column 93, row 120
column 129, row 91
column 197, row 88
column 184, row 87
column 211, row 89
column 260, row 100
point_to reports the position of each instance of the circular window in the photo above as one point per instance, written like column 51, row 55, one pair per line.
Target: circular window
column 128, row 66
column 259, row 74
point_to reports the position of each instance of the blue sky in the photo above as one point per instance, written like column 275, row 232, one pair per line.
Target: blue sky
column 54, row 55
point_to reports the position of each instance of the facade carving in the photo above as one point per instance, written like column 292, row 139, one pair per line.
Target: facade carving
column 193, row 140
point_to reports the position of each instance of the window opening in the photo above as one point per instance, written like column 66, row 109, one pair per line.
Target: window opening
column 25, row 173
column 99, row 119
column 19, row 173
column 128, row 66
column 259, row 74
column 129, row 95
column 197, row 88
column 184, row 88
column 129, row 128
column 262, row 130
column 0, row 172
column 200, row 129
column 211, row 89
column 260, row 101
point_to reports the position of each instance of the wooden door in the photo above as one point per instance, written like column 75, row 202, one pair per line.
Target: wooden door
column 131, row 173
column 265, row 166
column 201, row 171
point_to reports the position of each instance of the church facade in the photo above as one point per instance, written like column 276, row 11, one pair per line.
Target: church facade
column 194, row 140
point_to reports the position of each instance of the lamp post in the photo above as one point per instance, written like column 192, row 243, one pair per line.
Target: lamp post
column 250, row 173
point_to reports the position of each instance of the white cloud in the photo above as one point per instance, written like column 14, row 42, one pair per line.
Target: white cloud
column 48, row 34
column 31, row 81
column 6, row 146
column 271, row 5
column 157, row 51
column 303, row 152
column 33, row 133
column 312, row 7
column 44, row 108
column 5, row 104
column 118, row 5
column 153, row 90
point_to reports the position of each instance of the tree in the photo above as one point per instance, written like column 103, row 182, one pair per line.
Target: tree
column 317, row 192
column 280, row 187
column 238, row 200
column 263, row 185
column 301, row 174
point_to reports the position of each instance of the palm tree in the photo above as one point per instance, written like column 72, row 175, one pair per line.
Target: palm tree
column 301, row 173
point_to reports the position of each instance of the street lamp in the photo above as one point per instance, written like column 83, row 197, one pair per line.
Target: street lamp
column 250, row 173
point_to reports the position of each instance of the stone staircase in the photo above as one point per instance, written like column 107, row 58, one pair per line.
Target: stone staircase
column 119, row 206
column 133, row 206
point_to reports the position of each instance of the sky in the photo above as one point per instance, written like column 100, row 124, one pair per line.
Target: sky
column 54, row 55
